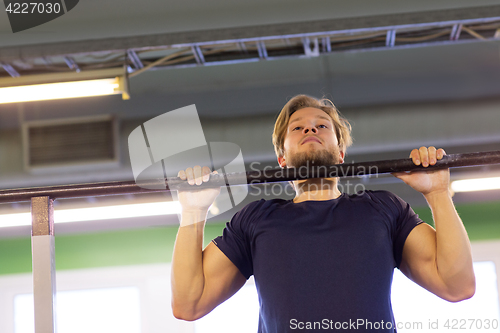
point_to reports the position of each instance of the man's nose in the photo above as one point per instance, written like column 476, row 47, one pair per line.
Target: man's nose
column 308, row 129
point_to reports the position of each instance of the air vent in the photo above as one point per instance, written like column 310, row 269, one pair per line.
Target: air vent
column 81, row 141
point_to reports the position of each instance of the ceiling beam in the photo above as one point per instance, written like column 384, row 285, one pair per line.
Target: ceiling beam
column 160, row 40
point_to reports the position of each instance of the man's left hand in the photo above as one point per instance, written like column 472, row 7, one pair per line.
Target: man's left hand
column 426, row 182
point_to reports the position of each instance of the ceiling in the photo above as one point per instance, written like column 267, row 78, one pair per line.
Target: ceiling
column 433, row 70
column 445, row 93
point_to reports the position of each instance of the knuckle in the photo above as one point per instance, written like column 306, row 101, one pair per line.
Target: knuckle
column 440, row 154
column 206, row 174
column 189, row 174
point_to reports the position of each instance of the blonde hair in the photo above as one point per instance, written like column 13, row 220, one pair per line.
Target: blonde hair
column 341, row 125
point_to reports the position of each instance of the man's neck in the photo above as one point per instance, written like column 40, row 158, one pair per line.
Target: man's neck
column 316, row 189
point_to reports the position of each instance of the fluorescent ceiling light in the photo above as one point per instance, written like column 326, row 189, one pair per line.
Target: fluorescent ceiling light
column 479, row 184
column 60, row 90
column 97, row 213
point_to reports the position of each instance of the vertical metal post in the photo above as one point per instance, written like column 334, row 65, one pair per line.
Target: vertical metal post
column 455, row 32
column 44, row 268
column 198, row 54
column 261, row 48
column 390, row 39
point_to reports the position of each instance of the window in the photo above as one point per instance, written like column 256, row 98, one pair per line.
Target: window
column 239, row 314
column 417, row 310
column 82, row 311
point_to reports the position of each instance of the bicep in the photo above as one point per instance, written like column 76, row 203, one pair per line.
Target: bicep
column 419, row 259
column 222, row 279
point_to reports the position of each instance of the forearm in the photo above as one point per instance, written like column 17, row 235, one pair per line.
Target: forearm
column 187, row 264
column 453, row 251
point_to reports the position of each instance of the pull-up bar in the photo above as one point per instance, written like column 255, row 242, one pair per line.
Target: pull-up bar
column 251, row 177
column 42, row 240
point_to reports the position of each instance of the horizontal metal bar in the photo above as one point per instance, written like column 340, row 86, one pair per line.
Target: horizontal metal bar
column 252, row 177
column 73, row 191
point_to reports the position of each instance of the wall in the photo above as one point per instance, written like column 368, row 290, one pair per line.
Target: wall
column 155, row 244
column 379, row 132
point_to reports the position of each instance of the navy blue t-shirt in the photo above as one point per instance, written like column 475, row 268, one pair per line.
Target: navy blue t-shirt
column 324, row 263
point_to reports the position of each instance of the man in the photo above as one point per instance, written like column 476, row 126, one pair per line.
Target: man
column 324, row 255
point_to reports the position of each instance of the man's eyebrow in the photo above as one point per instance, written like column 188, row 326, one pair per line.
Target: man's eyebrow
column 320, row 117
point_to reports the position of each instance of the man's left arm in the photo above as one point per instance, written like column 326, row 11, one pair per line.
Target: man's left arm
column 440, row 260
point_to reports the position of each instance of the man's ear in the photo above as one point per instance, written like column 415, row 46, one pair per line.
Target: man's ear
column 281, row 161
column 342, row 155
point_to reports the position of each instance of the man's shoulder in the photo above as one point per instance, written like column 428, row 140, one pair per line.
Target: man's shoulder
column 373, row 195
column 255, row 209
column 263, row 204
column 378, row 197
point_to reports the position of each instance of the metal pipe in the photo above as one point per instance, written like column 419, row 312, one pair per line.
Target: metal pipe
column 251, row 177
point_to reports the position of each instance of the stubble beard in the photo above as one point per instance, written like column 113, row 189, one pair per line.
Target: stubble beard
column 313, row 157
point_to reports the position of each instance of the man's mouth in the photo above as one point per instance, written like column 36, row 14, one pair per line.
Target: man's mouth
column 311, row 139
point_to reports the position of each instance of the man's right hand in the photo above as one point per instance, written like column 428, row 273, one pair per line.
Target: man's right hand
column 201, row 279
column 197, row 200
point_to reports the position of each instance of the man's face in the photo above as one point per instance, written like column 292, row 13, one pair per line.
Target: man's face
column 310, row 139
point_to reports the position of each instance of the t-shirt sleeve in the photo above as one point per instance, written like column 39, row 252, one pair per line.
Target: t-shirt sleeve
column 235, row 241
column 403, row 220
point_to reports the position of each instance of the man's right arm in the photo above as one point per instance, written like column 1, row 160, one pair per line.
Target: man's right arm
column 201, row 279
